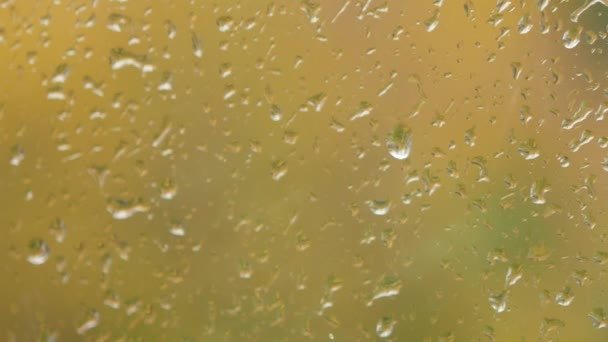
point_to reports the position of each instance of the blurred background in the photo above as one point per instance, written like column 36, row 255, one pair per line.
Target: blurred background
column 345, row 170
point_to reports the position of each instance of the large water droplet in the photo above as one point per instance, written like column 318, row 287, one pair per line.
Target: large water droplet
column 572, row 37
column 399, row 143
column 432, row 22
column 38, row 252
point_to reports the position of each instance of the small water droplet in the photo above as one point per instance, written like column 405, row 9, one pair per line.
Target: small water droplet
column 166, row 83
column 529, row 150
column 498, row 301
column 538, row 191
column 225, row 23
column 388, row 286
column 122, row 209
column 177, row 229
column 470, row 137
column 112, row 300
column 365, row 108
column 38, row 252
column 90, row 321
column 551, row 326
column 58, row 230
column 276, row 113
column 245, row 270
column 118, row 22
column 61, row 74
column 17, row 155
column 379, row 207
column 168, row 189
column 279, row 170
column 514, row 274
column 564, row 297
column 197, row 45
column 171, row 29
column 385, row 327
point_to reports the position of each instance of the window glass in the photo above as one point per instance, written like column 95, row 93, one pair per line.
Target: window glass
column 294, row 170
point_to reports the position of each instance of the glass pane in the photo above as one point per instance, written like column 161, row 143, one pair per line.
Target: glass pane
column 304, row 170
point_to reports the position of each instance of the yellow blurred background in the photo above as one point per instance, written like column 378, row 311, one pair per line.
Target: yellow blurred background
column 302, row 170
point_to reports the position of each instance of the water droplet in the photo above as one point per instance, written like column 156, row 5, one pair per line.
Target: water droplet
column 525, row 25
column 516, row 70
column 498, row 301
column 432, row 22
column 336, row 126
column 585, row 138
column 551, row 326
column 166, row 83
column 225, row 70
column 599, row 319
column 168, row 189
column 290, row 137
column 38, row 252
column 312, row 10
column 572, row 37
column 385, row 327
column 122, row 209
column 197, row 45
column 17, row 155
column 317, row 101
column 514, row 274
column 529, row 150
column 600, row 258
column 121, row 58
column 364, row 109
column 245, row 270
column 379, row 207
column 538, row 191
column 171, row 29
column 279, row 170
column 388, row 286
column 564, row 161
column 118, row 22
column 276, row 113
column 58, row 230
column 90, row 321
column 399, row 143
column 470, row 137
column 61, row 74
column 112, row 300
column 225, row 23
column 177, row 229
column 564, row 297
